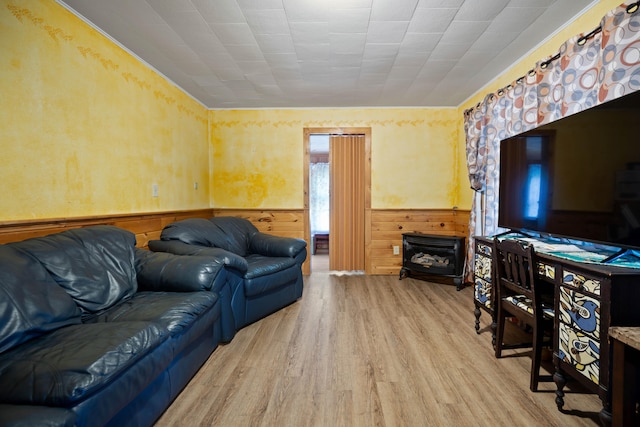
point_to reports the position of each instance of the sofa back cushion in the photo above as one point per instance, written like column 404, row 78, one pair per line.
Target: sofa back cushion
column 95, row 265
column 31, row 302
column 228, row 233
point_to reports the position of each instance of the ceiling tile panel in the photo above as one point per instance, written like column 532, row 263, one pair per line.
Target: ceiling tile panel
column 463, row 32
column 271, row 21
column 310, row 53
column 345, row 21
column 435, row 4
column 219, row 11
column 387, row 31
column 397, row 10
column 431, row 20
column 234, row 34
column 275, row 43
column 480, row 10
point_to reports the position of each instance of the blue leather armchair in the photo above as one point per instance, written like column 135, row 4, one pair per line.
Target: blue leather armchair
column 264, row 271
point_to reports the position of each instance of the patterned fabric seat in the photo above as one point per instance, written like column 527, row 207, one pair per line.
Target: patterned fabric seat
column 526, row 304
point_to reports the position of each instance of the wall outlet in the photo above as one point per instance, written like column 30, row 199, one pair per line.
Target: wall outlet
column 396, row 250
column 154, row 190
column 195, row 185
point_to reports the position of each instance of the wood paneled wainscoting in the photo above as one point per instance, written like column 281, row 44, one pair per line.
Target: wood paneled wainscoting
column 146, row 226
column 384, row 233
column 388, row 225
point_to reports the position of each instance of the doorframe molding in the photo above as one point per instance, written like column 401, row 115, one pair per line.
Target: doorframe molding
column 366, row 131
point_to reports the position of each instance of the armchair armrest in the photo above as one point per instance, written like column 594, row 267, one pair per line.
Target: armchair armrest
column 228, row 259
column 160, row 271
column 270, row 245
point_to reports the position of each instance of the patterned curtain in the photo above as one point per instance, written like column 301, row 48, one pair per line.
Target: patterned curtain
column 588, row 69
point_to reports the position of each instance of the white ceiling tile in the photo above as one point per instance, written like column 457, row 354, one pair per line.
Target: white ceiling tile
column 515, row 19
column 431, row 20
column 352, row 43
column 227, row 73
column 206, row 80
column 246, row 52
column 398, row 10
column 170, row 6
column 428, row 4
column 463, row 32
column 271, row 21
column 345, row 60
column 313, row 52
column 496, row 42
column 253, row 67
column 309, row 32
column 387, row 52
column 377, row 66
column 234, row 34
column 219, row 11
column 279, row 60
column 306, row 53
column 387, row 31
column 450, row 52
column 275, row 43
column 412, row 59
column 307, row 10
column 350, row 21
column 259, row 4
column 419, row 42
column 480, row 10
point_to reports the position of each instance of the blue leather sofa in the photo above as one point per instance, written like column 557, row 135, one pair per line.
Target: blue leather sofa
column 265, row 271
column 95, row 332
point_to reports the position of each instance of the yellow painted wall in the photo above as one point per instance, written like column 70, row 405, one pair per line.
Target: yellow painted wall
column 258, row 155
column 87, row 128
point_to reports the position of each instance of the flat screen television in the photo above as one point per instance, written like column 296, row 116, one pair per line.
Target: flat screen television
column 576, row 178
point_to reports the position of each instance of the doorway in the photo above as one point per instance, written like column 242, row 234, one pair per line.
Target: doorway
column 349, row 197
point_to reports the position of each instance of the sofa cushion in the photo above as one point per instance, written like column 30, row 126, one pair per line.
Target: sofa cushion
column 68, row 365
column 173, row 311
column 95, row 265
column 228, row 233
column 31, row 302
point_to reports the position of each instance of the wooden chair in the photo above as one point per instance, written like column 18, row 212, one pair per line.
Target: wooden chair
column 518, row 295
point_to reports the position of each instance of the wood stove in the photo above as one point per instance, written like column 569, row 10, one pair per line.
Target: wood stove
column 425, row 254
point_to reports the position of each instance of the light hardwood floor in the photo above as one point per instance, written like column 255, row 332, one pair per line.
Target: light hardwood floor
column 371, row 351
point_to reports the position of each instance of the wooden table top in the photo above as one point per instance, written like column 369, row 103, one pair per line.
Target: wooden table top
column 629, row 335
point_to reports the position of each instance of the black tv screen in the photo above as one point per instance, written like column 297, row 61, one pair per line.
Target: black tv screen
column 578, row 177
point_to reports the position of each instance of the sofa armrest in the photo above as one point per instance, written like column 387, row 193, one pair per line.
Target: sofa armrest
column 228, row 259
column 270, row 245
column 159, row 271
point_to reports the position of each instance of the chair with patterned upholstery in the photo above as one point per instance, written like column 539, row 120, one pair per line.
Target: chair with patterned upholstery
column 519, row 294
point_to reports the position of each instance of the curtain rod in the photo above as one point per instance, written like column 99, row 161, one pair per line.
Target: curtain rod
column 632, row 8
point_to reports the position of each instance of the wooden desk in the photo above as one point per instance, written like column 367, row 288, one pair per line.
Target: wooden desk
column 589, row 298
column 625, row 380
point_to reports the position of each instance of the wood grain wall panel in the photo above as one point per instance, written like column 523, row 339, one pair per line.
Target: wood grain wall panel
column 145, row 226
column 387, row 227
column 283, row 222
